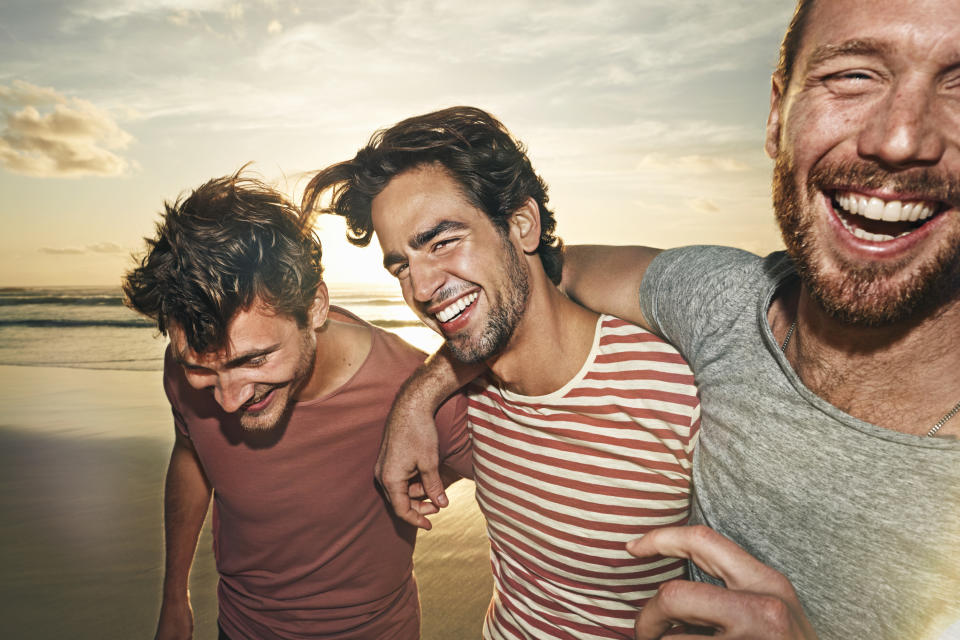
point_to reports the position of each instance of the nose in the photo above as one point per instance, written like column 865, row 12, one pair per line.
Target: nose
column 426, row 278
column 904, row 130
column 230, row 392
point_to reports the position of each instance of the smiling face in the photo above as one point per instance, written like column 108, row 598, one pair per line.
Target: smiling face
column 268, row 359
column 867, row 146
column 462, row 277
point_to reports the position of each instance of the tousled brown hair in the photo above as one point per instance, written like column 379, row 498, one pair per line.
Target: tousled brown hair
column 474, row 148
column 232, row 241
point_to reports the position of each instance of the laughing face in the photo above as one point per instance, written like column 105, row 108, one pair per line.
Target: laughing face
column 867, row 146
column 462, row 277
column 268, row 359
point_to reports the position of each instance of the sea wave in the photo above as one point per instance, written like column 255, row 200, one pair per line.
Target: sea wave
column 139, row 323
column 75, row 301
column 51, row 323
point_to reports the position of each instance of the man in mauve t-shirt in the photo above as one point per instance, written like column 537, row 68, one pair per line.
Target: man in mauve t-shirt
column 279, row 402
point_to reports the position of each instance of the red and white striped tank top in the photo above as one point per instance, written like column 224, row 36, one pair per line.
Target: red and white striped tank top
column 566, row 479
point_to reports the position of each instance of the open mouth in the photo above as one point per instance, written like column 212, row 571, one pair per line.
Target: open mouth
column 457, row 307
column 259, row 402
column 877, row 220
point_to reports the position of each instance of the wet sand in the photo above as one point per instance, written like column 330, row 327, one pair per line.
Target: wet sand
column 82, row 459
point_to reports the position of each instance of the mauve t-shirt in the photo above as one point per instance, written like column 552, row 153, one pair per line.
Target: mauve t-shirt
column 305, row 545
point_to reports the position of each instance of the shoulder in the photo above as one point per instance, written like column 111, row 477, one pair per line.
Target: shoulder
column 699, row 262
column 389, row 353
column 631, row 348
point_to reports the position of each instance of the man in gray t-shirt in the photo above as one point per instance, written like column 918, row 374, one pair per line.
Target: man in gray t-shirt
column 865, row 520
column 829, row 455
column 829, row 379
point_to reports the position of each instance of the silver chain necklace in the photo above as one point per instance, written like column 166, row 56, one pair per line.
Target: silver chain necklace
column 933, row 430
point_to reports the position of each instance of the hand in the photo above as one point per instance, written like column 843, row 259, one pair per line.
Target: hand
column 758, row 602
column 176, row 620
column 407, row 467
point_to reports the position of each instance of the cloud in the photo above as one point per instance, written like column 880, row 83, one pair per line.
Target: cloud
column 692, row 163
column 107, row 247
column 62, row 251
column 111, row 248
column 703, row 205
column 46, row 134
column 274, row 27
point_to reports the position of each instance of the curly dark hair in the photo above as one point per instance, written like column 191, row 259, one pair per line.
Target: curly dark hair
column 791, row 41
column 475, row 149
column 232, row 241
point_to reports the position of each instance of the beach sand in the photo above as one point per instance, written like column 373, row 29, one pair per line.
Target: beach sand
column 82, row 460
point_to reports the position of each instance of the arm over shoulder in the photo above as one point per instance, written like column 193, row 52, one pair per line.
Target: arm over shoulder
column 684, row 291
column 453, row 435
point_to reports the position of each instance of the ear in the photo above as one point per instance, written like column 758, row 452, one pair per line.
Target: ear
column 525, row 226
column 777, row 90
column 317, row 313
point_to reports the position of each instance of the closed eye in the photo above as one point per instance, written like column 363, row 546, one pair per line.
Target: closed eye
column 851, row 83
column 445, row 243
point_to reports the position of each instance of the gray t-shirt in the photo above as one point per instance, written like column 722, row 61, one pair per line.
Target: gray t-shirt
column 864, row 521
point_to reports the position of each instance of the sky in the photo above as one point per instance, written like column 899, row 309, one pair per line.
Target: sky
column 645, row 118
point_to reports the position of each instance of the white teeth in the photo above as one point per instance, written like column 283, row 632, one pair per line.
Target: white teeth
column 874, row 209
column 887, row 211
column 872, row 237
column 456, row 308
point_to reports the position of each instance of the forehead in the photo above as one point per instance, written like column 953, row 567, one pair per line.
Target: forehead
column 418, row 199
column 251, row 329
column 901, row 27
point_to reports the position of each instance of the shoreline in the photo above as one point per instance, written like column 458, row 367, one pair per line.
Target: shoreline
column 83, row 455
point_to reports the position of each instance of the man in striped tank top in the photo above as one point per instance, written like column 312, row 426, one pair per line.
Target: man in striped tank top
column 583, row 425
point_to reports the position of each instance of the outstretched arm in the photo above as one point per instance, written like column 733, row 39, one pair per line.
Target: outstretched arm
column 607, row 279
column 185, row 501
column 757, row 602
column 410, row 445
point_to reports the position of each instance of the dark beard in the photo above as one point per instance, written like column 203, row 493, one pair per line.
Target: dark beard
column 504, row 316
column 861, row 294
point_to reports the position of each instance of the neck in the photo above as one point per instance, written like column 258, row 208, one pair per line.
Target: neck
column 550, row 343
column 903, row 376
column 341, row 349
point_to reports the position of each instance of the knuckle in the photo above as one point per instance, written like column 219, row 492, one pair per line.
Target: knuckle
column 670, row 592
column 702, row 534
column 774, row 614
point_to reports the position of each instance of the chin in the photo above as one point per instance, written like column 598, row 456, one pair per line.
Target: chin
column 870, row 293
column 268, row 419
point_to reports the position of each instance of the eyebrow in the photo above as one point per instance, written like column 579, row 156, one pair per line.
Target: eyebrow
column 239, row 361
column 418, row 240
column 858, row 47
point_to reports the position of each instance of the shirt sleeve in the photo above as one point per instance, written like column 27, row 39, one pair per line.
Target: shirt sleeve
column 172, row 377
column 453, row 436
column 687, row 294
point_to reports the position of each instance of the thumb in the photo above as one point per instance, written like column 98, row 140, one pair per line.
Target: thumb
column 433, row 486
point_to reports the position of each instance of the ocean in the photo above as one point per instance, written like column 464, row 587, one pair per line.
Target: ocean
column 90, row 328
column 85, row 437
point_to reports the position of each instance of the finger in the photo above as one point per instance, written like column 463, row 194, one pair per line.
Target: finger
column 433, row 485
column 712, row 552
column 425, row 508
column 405, row 508
column 415, row 491
column 680, row 602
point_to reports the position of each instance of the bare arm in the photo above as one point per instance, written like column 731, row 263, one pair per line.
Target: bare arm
column 607, row 279
column 185, row 501
column 757, row 602
column 410, row 444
